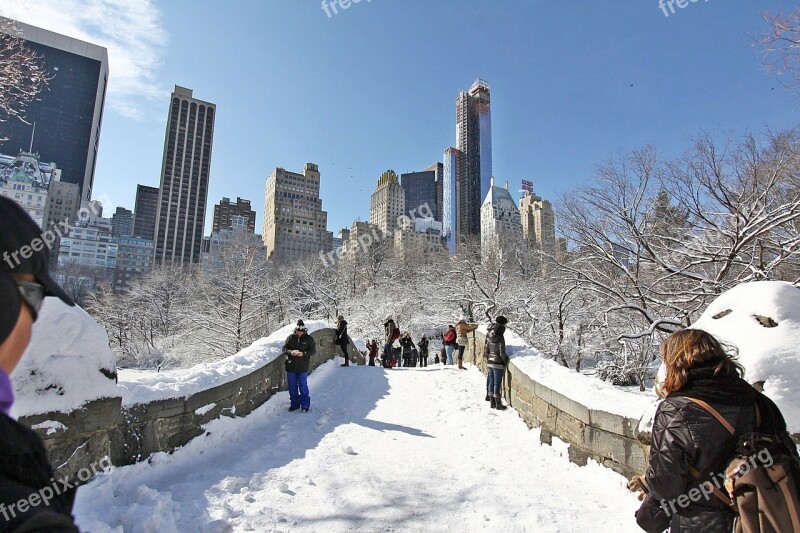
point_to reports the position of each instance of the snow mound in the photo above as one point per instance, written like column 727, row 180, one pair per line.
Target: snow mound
column 588, row 391
column 147, row 386
column 762, row 320
column 67, row 363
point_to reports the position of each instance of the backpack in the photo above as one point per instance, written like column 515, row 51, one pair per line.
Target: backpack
column 762, row 481
column 450, row 336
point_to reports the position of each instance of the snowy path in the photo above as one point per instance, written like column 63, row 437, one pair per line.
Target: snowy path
column 400, row 450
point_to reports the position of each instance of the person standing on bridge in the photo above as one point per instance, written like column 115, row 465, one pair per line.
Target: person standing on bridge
column 462, row 328
column 449, row 340
column 372, row 352
column 299, row 349
column 423, row 351
column 707, row 411
column 342, row 340
column 25, row 471
column 496, row 361
column 407, row 344
column 391, row 335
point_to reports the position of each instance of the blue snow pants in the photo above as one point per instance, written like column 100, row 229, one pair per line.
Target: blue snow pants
column 298, row 389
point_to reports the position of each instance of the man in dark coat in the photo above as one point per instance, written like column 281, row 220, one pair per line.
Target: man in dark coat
column 423, row 351
column 342, row 340
column 389, row 328
column 496, row 360
column 29, row 500
column 407, row 345
column 298, row 350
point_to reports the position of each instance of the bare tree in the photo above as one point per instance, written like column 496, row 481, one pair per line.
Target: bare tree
column 22, row 73
column 780, row 45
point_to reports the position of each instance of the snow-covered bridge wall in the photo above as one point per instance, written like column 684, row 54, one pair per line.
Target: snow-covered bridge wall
column 606, row 437
column 128, row 433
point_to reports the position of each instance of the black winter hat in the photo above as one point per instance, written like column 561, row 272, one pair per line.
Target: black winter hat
column 301, row 325
column 23, row 248
column 9, row 310
column 501, row 320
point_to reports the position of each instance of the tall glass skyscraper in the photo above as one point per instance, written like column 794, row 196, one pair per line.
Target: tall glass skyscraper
column 452, row 220
column 145, row 212
column 474, row 140
column 64, row 122
column 184, row 179
column 424, row 189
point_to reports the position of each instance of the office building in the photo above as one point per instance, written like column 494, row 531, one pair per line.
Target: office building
column 229, row 215
column 387, row 203
column 89, row 242
column 62, row 203
column 122, row 223
column 418, row 240
column 25, row 179
column 145, row 212
column 64, row 121
column 134, row 258
column 474, row 140
column 501, row 227
column 295, row 226
column 452, row 219
column 538, row 223
column 184, row 179
column 423, row 192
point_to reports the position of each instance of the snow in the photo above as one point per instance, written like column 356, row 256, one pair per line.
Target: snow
column 51, row 426
column 768, row 354
column 206, row 408
column 398, row 450
column 589, row 391
column 139, row 386
column 61, row 368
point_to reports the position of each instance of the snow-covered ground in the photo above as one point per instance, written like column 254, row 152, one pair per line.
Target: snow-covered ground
column 399, row 450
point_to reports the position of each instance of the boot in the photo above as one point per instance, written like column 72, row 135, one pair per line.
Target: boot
column 492, row 399
column 498, row 404
column 489, row 397
column 460, row 364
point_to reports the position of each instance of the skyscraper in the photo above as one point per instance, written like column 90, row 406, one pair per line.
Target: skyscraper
column 226, row 213
column 424, row 189
column 452, row 219
column 474, row 140
column 295, row 226
column 145, row 212
column 501, row 228
column 387, row 202
column 64, row 121
column 538, row 223
column 122, row 222
column 184, row 179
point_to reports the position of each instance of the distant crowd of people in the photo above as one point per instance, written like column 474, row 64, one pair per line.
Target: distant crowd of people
column 299, row 348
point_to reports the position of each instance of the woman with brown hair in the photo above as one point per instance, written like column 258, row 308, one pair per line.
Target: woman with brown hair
column 690, row 447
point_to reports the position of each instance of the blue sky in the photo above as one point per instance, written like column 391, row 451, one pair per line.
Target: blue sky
column 374, row 87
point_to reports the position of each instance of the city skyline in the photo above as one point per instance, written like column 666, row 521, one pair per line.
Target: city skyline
column 560, row 107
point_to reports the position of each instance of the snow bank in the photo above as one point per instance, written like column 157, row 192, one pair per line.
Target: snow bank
column 146, row 386
column 66, row 363
column 769, row 353
column 591, row 392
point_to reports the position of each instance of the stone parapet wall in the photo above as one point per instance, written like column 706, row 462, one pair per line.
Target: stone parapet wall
column 128, row 434
column 605, row 437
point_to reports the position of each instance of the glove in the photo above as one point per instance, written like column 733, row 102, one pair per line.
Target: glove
column 638, row 484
